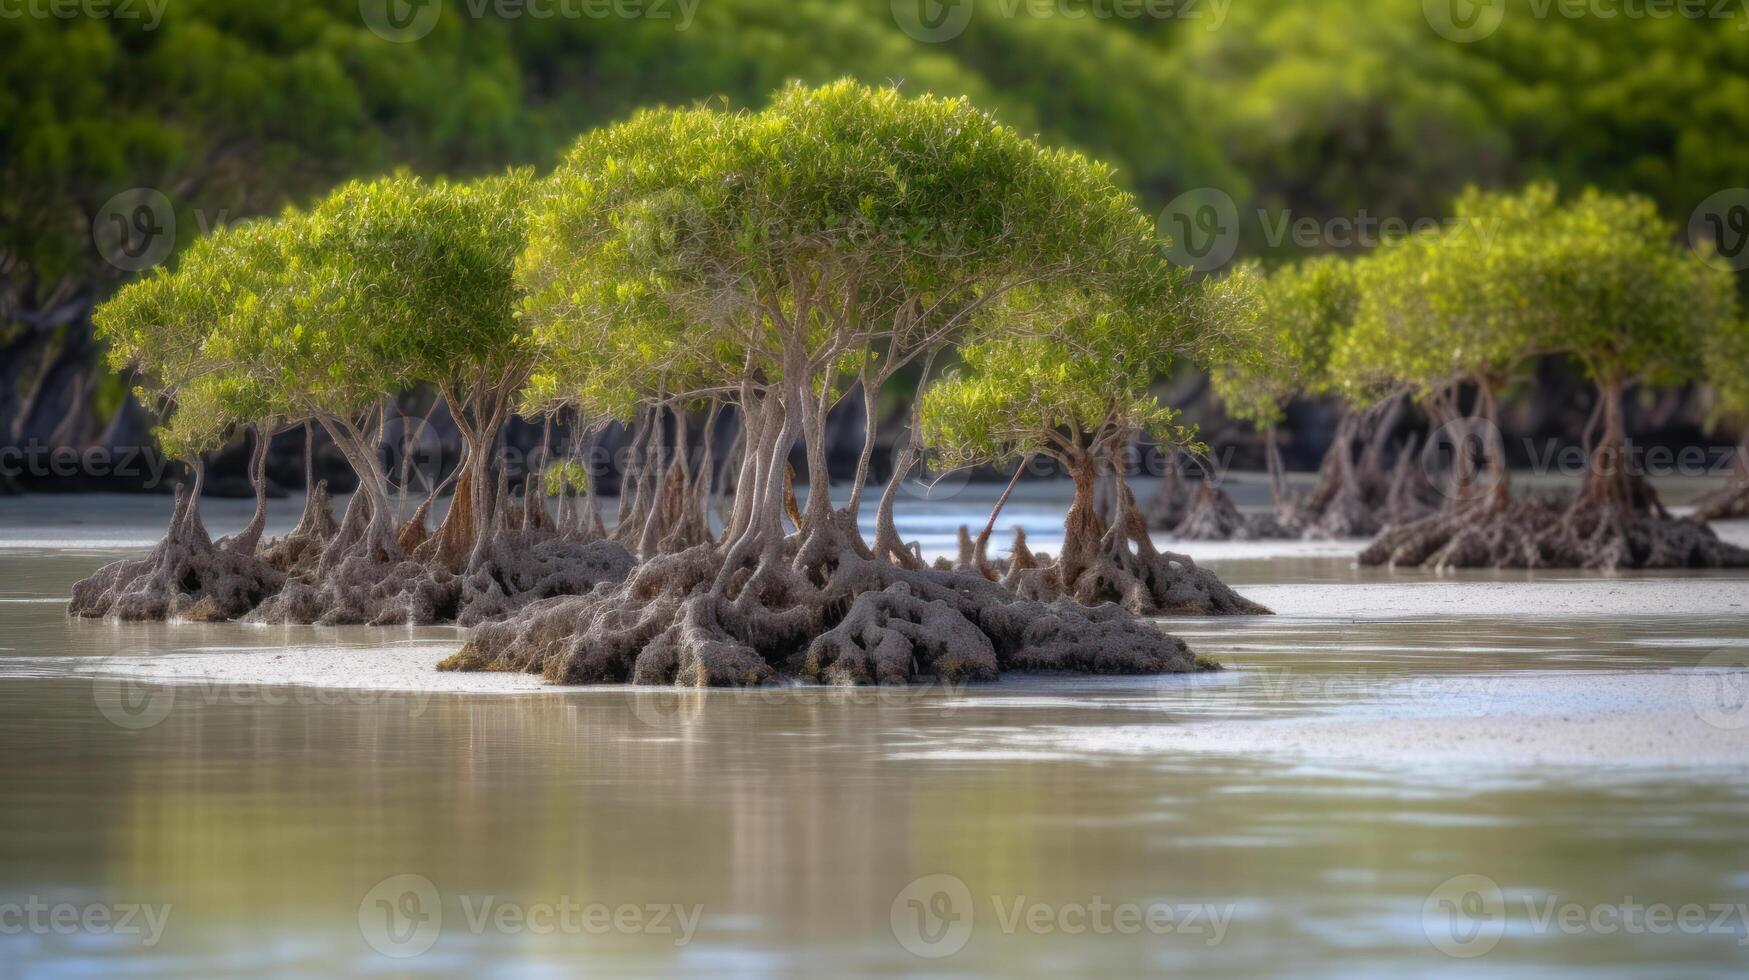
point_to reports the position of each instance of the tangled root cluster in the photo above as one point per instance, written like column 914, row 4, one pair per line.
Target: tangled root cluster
column 314, row 530
column 555, row 598
column 360, row 574
column 689, row 620
column 1212, row 516
column 514, row 567
column 1356, row 502
column 1153, row 584
column 1728, row 503
column 186, row 576
column 1549, row 532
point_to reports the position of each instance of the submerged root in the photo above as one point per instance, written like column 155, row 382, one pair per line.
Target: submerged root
column 185, row 576
column 1547, row 532
column 684, row 619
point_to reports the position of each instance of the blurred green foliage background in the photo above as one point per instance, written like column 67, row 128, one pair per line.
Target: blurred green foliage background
column 1309, row 109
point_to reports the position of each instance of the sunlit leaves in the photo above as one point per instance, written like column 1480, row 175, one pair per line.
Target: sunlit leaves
column 1598, row 278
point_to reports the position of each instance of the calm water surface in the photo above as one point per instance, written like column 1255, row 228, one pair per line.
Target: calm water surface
column 788, row 827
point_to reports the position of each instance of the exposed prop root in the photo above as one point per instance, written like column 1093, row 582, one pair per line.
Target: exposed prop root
column 843, row 620
column 360, row 576
column 1171, row 502
column 186, row 576
column 514, row 567
column 413, row 532
column 1145, row 582
column 1158, row 584
column 1214, row 517
column 361, row 589
column 891, row 636
column 1547, row 532
column 1725, row 504
column 305, row 542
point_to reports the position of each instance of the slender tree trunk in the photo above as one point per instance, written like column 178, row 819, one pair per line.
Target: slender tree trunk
column 888, row 545
column 1083, row 529
column 704, row 480
column 819, row 510
column 1493, row 445
column 191, row 522
column 981, row 547
column 653, row 493
column 628, row 517
column 1608, row 482
column 247, row 539
column 762, row 535
column 533, row 493
column 372, row 487
column 854, row 508
column 1277, row 478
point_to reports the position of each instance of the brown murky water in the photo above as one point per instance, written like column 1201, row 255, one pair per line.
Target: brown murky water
column 304, row 831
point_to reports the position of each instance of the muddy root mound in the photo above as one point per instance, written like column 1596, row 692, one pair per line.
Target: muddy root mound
column 186, row 576
column 690, row 619
column 365, row 590
column 361, row 579
column 1156, row 583
column 1547, row 532
column 1212, row 516
column 358, row 575
column 304, row 543
column 515, row 567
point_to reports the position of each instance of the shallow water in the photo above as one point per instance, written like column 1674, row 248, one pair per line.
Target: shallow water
column 1040, row 825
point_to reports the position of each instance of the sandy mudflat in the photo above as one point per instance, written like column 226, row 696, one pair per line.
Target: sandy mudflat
column 1640, row 719
column 408, row 667
column 1596, row 720
column 1567, row 597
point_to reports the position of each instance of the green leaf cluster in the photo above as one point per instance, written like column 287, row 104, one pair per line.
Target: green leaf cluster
column 1520, row 275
